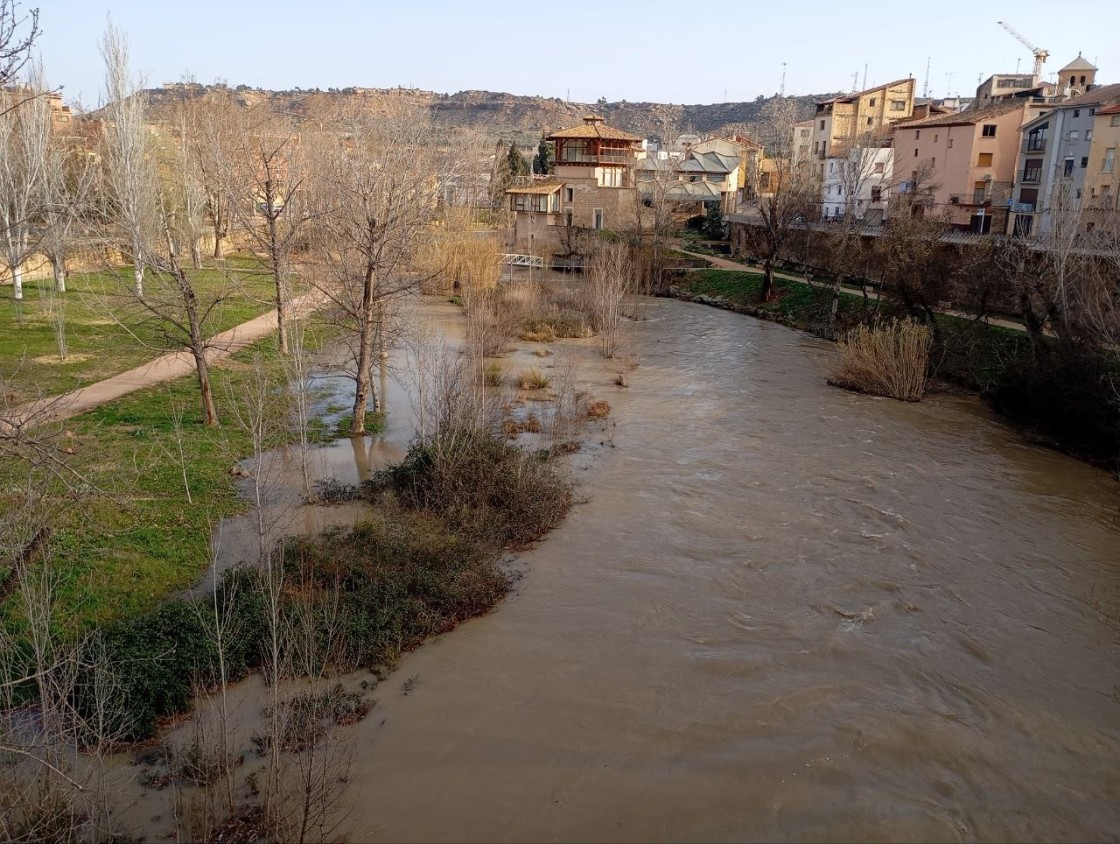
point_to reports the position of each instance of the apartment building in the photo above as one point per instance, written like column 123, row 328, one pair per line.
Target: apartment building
column 1102, row 176
column 858, row 184
column 841, row 120
column 1053, row 161
column 967, row 161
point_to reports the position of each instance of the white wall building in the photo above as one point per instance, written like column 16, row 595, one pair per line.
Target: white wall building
column 858, row 183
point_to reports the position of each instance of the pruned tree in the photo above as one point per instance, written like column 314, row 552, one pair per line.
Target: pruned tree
column 215, row 141
column 70, row 178
column 25, row 127
column 380, row 191
column 128, row 165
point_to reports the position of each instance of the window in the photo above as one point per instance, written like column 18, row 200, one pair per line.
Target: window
column 871, row 102
column 1032, row 170
column 876, row 194
column 936, row 137
column 822, row 125
column 989, row 130
column 1067, row 167
column 815, row 145
column 984, row 159
column 1088, row 134
column 898, row 105
column 879, row 168
column 917, row 134
column 1084, row 161
column 597, row 219
column 1076, row 111
column 979, row 193
column 610, row 177
column 568, row 217
column 950, row 144
column 1114, row 120
column 933, row 162
column 569, row 194
column 915, row 153
column 1109, row 160
column 870, row 121
column 1075, row 135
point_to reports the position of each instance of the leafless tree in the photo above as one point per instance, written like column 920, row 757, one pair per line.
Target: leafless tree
column 18, row 33
column 610, row 282
column 129, row 167
column 24, row 140
column 793, row 199
column 381, row 183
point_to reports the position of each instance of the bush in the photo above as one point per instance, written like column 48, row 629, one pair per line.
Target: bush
column 533, row 379
column 885, row 360
column 1067, row 393
column 482, row 486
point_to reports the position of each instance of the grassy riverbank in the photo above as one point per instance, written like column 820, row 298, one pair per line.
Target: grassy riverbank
column 1058, row 398
column 106, row 333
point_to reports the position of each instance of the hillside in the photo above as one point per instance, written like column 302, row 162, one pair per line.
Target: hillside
column 497, row 114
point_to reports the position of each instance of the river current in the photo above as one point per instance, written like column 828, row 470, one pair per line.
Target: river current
column 783, row 612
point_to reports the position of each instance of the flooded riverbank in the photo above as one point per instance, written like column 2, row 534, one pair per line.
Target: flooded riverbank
column 785, row 612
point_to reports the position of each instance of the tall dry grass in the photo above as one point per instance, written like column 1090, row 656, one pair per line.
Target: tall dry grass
column 890, row 360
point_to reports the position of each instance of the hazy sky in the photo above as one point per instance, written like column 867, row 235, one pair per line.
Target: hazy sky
column 678, row 52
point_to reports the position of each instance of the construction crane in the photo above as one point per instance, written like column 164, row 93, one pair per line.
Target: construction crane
column 1040, row 55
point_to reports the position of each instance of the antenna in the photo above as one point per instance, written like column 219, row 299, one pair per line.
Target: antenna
column 782, row 90
column 925, row 87
column 855, row 81
column 865, row 76
column 949, row 85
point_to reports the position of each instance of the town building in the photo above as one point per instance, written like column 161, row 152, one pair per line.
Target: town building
column 871, row 113
column 858, row 184
column 1102, row 177
column 967, row 162
column 592, row 187
column 1053, row 161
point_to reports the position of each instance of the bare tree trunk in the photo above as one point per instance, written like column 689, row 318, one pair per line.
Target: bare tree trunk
column 767, row 292
column 196, row 255
column 58, row 269
column 279, row 276
column 17, row 282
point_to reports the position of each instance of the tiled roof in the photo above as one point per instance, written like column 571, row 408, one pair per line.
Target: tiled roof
column 1112, row 109
column 966, row 118
column 1079, row 64
column 594, row 127
column 847, row 98
column 543, row 186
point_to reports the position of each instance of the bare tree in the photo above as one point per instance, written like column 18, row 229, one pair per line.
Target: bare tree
column 24, row 140
column 18, row 33
column 69, row 181
column 130, row 180
column 610, row 281
column 792, row 201
column 269, row 205
column 381, row 183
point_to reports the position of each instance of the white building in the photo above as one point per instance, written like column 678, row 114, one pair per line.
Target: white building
column 858, row 183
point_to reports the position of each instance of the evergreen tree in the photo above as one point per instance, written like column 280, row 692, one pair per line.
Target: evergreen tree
column 713, row 223
column 542, row 161
column 516, row 161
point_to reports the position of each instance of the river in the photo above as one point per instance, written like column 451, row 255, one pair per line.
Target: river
column 785, row 612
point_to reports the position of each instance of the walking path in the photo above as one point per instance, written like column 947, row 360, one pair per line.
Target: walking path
column 166, row 367
column 726, row 264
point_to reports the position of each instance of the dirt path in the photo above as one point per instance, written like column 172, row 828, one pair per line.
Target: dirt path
column 166, row 367
column 726, row 264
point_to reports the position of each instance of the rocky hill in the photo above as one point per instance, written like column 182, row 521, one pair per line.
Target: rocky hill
column 496, row 114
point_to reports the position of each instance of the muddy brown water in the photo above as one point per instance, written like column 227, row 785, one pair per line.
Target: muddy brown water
column 786, row 612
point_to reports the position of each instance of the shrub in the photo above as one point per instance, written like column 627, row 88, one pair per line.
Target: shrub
column 885, row 360
column 533, row 379
column 598, row 409
column 492, row 375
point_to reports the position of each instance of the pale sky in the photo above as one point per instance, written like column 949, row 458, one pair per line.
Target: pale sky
column 676, row 52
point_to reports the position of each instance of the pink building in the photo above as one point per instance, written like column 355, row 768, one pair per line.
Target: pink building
column 968, row 160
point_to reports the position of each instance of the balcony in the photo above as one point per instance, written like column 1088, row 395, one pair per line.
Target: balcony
column 1031, row 177
column 1033, row 144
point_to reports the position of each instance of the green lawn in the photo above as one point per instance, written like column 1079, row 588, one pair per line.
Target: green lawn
column 106, row 332
column 797, row 305
column 135, row 538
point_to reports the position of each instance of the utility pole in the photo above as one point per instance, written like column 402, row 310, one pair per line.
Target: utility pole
column 925, row 87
